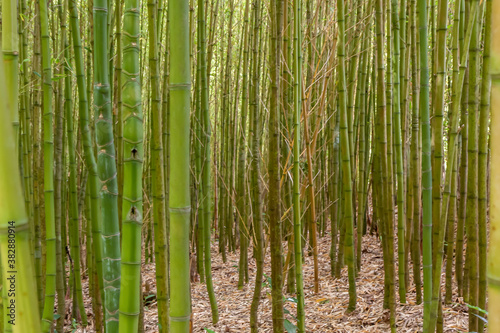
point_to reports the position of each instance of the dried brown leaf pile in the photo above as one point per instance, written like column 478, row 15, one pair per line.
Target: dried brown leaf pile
column 325, row 312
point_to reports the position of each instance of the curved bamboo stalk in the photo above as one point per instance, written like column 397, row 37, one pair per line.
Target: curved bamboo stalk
column 206, row 174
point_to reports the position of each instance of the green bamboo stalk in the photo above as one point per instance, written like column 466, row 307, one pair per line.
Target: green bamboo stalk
column 179, row 199
column 118, row 104
column 483, row 161
column 242, row 157
column 25, row 114
column 10, row 51
column 107, row 168
column 363, row 137
column 465, row 114
column 450, row 230
column 453, row 210
column 73, row 205
column 439, row 80
column 398, row 143
column 198, row 218
column 440, row 230
column 438, row 92
column 274, row 196
column 255, row 165
column 472, row 156
column 14, row 230
column 346, row 163
column 160, row 227
column 384, row 115
column 459, row 264
column 88, row 149
column 58, row 166
column 297, row 107
column 48, row 152
column 206, row 175
column 37, row 112
column 493, row 261
column 426, row 160
column 133, row 152
column 165, row 119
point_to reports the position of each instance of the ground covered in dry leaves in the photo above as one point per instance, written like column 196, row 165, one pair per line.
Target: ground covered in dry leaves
column 325, row 312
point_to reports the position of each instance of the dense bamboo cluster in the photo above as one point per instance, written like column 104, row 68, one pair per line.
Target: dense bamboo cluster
column 170, row 131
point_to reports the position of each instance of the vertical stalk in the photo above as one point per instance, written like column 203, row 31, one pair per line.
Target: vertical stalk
column 426, row 160
column 10, row 51
column 398, row 145
column 179, row 199
column 494, row 261
column 241, row 193
column 159, row 214
column 346, row 163
column 74, row 227
column 133, row 153
column 206, row 174
column 48, row 152
column 89, row 157
column 274, row 196
column 297, row 227
column 255, row 165
column 14, row 229
column 106, row 168
column 483, row 162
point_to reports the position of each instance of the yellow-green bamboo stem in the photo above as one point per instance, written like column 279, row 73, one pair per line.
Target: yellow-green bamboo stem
column 48, row 152
column 179, row 198
column 494, row 260
column 17, row 267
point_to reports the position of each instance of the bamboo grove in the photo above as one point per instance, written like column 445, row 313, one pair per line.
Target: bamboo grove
column 169, row 132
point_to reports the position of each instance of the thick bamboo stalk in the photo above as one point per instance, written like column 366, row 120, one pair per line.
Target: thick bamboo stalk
column 10, row 51
column 14, row 231
column 426, row 160
column 440, row 229
column 89, row 157
column 48, row 152
column 255, row 165
column 37, row 112
column 74, row 227
column 179, row 199
column 58, row 166
column 384, row 169
column 133, row 153
column 483, row 162
column 472, row 161
column 494, row 260
column 346, row 163
column 107, row 168
column 160, row 227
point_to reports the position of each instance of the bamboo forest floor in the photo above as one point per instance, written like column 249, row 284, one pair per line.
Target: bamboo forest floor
column 325, row 312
